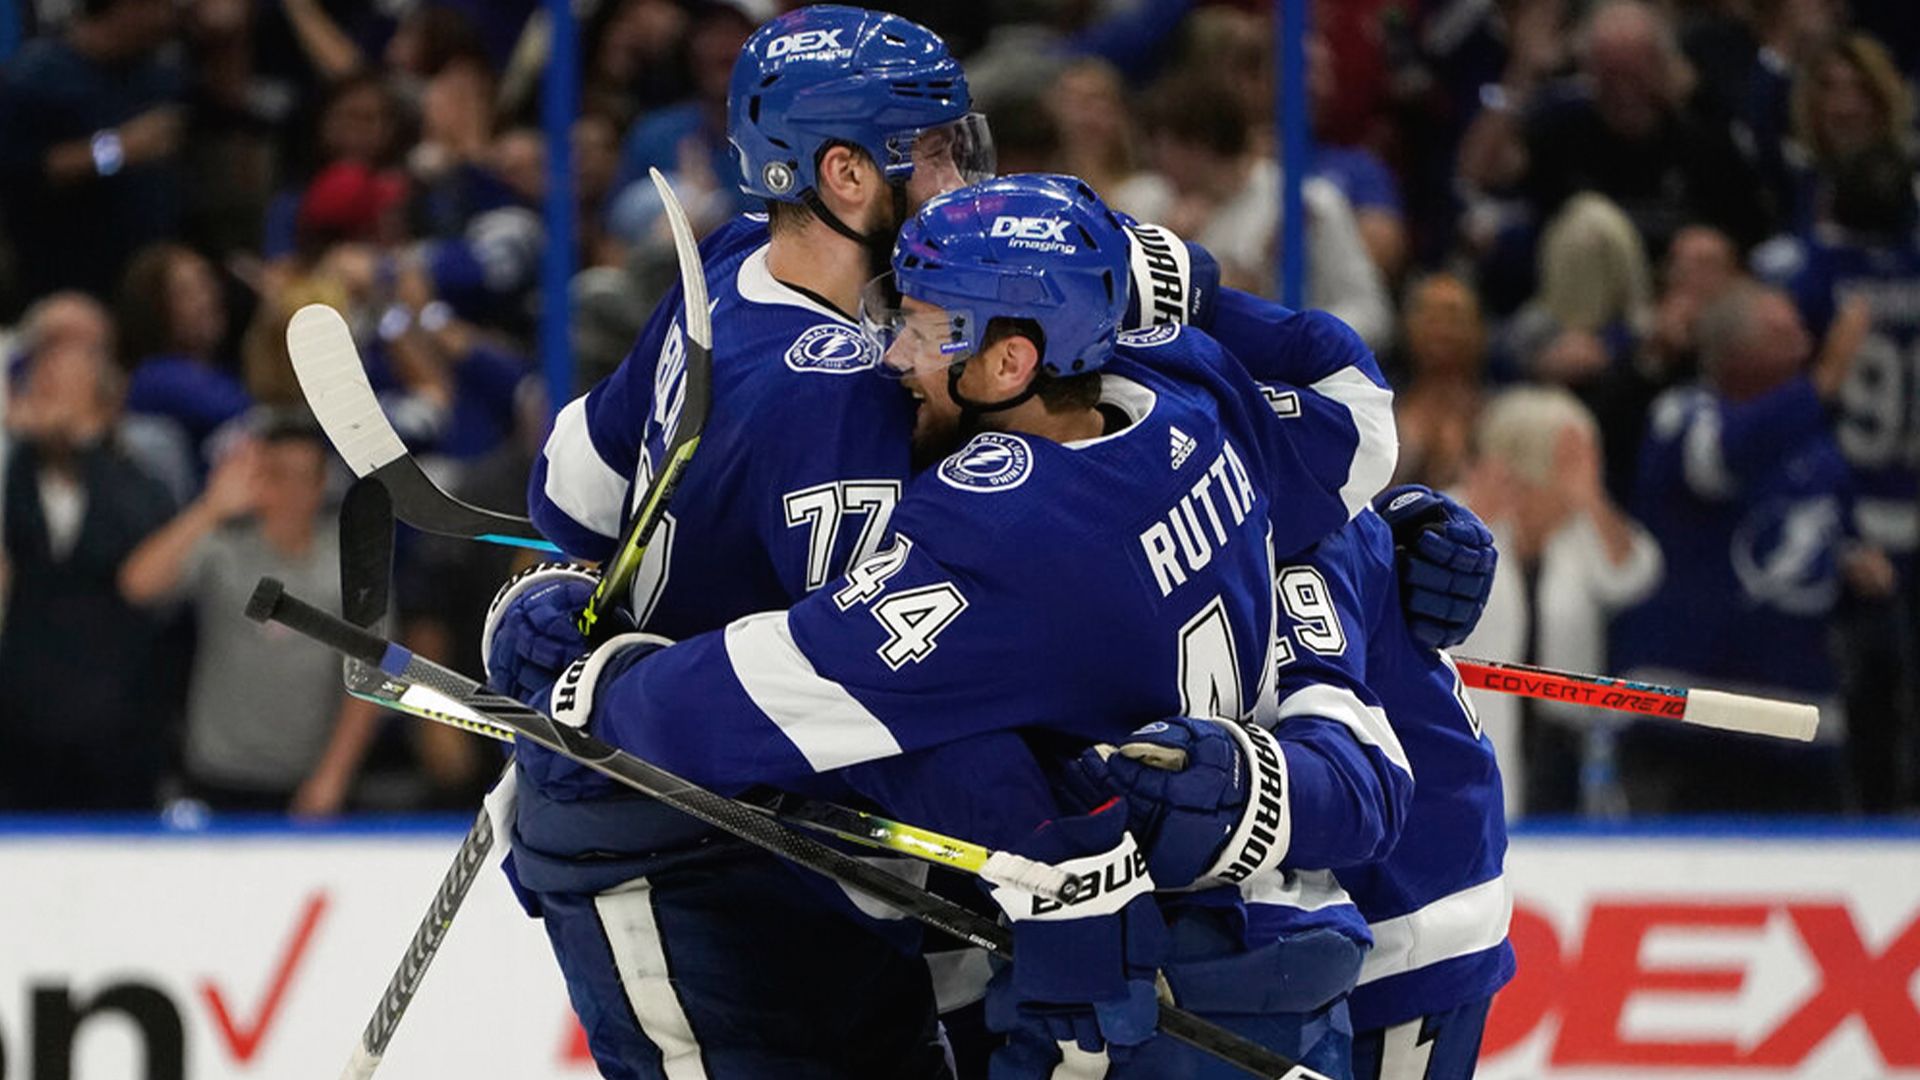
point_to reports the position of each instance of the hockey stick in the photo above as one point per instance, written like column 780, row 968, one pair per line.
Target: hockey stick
column 1706, row 708
column 334, row 381
column 270, row 602
column 366, row 569
column 830, row 819
column 696, row 402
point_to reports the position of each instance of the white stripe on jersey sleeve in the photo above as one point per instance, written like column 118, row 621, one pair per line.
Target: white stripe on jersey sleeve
column 1371, row 407
column 1305, row 890
column 825, row 723
column 1368, row 724
column 579, row 482
column 1472, row 920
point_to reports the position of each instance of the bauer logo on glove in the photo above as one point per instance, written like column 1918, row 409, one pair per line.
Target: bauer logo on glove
column 1110, row 881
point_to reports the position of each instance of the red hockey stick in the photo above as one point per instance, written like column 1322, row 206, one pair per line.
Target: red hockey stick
column 1708, row 708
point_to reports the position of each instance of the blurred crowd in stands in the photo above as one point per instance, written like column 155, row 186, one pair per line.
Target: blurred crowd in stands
column 1646, row 276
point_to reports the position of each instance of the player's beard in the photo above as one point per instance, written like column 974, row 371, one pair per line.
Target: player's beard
column 883, row 228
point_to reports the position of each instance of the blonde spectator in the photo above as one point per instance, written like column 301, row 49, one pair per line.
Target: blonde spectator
column 1595, row 299
column 1849, row 96
column 1570, row 559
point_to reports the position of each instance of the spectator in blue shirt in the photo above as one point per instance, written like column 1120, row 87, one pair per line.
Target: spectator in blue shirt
column 89, row 140
column 1744, row 488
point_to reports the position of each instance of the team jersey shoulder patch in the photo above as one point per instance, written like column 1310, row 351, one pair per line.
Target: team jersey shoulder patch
column 993, row 461
column 832, row 348
column 1150, row 336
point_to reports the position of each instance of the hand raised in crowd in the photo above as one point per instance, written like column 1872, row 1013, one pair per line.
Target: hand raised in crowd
column 1870, row 575
column 152, row 135
column 322, row 794
column 234, row 488
column 1851, row 325
column 1572, row 356
column 60, row 402
column 1577, row 469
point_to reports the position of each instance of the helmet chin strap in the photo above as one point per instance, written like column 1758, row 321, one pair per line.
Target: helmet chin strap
column 878, row 245
column 970, row 410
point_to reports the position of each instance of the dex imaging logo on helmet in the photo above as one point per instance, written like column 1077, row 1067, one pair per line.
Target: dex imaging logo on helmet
column 809, row 45
column 1034, row 233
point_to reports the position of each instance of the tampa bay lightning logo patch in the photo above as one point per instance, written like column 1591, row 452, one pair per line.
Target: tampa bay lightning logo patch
column 993, row 461
column 1150, row 336
column 833, row 348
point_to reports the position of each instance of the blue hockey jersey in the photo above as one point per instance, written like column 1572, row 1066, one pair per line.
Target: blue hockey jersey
column 800, row 463
column 799, row 468
column 1437, row 905
column 1747, row 501
column 1079, row 589
column 1878, row 408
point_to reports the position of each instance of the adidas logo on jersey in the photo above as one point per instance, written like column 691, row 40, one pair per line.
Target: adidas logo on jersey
column 1183, row 445
column 1197, row 524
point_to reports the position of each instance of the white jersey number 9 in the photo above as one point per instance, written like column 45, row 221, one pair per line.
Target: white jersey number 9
column 1303, row 593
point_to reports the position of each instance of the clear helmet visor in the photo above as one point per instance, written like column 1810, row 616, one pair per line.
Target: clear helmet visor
column 910, row 335
column 957, row 153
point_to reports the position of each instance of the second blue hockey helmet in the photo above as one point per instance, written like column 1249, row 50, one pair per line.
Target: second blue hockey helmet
column 1037, row 247
column 829, row 74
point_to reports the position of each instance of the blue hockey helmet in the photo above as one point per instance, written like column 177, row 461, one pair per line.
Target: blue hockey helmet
column 826, row 74
column 1034, row 246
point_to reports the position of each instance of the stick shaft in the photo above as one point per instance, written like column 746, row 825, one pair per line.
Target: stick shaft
column 758, row 829
column 1704, row 708
column 473, row 858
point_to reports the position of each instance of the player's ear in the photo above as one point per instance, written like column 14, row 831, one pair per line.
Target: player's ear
column 845, row 179
column 1014, row 361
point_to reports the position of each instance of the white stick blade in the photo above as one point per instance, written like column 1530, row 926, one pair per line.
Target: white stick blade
column 1753, row 715
column 688, row 251
column 336, row 387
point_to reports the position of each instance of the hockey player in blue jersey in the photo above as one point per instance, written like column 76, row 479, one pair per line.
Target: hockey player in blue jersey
column 1067, row 515
column 685, row 952
column 841, row 117
column 1393, row 588
column 1437, row 905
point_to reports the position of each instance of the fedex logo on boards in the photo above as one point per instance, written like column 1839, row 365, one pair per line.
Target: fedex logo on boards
column 1788, row 986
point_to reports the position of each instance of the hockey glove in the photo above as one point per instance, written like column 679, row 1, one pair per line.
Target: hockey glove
column 1083, row 972
column 1174, row 281
column 531, row 638
column 1446, row 562
column 1205, row 797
